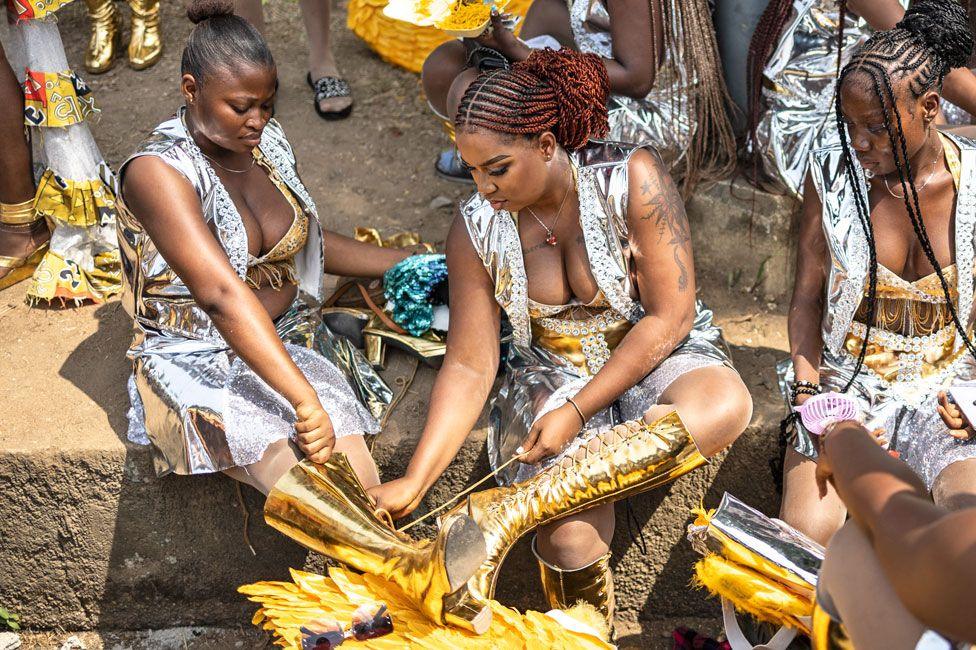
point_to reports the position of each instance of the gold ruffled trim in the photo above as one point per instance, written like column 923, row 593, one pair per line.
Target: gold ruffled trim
column 77, row 203
column 21, row 10
column 58, row 279
column 287, row 606
column 56, row 99
column 398, row 42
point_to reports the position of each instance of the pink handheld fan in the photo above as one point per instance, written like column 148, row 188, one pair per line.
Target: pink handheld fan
column 818, row 412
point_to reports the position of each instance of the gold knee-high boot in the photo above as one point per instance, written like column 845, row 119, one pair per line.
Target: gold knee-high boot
column 592, row 584
column 631, row 458
column 326, row 509
column 106, row 33
column 827, row 633
column 146, row 40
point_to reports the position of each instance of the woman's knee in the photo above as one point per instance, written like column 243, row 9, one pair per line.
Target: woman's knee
column 714, row 405
column 577, row 541
column 803, row 507
column 955, row 486
column 440, row 69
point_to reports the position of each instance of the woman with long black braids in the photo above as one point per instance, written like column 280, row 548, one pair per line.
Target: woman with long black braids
column 886, row 256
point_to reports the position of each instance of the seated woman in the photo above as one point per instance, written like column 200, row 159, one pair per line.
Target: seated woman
column 884, row 282
column 666, row 86
column 792, row 74
column 899, row 574
column 224, row 259
column 616, row 380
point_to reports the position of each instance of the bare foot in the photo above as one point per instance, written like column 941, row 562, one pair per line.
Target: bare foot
column 21, row 241
column 327, row 68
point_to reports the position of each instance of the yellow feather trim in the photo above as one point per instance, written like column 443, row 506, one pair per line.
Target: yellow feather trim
column 752, row 592
column 286, row 606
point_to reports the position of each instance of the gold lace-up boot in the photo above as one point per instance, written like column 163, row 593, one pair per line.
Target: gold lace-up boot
column 630, row 458
column 592, row 584
column 146, row 40
column 326, row 509
column 106, row 34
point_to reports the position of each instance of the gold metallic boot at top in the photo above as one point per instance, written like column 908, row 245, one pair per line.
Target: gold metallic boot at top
column 326, row 509
column 146, row 39
column 827, row 633
column 592, row 584
column 631, row 458
column 106, row 34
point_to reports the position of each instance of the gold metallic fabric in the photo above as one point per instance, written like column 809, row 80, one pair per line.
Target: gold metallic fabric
column 146, row 39
column 326, row 509
column 591, row 584
column 633, row 457
column 586, row 343
column 106, row 35
column 18, row 214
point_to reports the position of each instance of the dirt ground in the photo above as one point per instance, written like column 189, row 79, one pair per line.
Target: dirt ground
column 374, row 169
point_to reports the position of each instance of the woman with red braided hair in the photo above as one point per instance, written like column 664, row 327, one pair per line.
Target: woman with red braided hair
column 616, row 380
column 666, row 87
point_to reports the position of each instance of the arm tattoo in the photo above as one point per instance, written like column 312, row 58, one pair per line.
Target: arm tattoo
column 665, row 207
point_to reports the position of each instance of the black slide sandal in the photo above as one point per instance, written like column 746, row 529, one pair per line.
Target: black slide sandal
column 327, row 88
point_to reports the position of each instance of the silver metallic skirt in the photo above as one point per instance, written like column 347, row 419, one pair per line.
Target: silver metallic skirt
column 537, row 382
column 915, row 430
column 205, row 410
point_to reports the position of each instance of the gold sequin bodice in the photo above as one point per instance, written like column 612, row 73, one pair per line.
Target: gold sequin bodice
column 583, row 334
column 277, row 266
column 913, row 336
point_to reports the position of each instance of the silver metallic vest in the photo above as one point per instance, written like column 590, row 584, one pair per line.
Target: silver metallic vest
column 602, row 187
column 662, row 117
column 162, row 307
column 848, row 245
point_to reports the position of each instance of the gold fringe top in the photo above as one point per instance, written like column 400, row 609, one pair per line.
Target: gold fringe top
column 277, row 266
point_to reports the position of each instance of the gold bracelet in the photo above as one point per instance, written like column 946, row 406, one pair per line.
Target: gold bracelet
column 578, row 410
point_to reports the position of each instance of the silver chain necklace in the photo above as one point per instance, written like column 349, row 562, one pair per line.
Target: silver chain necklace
column 551, row 238
column 917, row 189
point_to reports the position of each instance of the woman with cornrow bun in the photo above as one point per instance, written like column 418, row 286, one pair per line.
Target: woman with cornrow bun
column 616, row 380
column 232, row 369
column 886, row 257
column 792, row 68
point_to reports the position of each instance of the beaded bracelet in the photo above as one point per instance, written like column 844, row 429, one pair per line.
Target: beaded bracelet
column 804, row 388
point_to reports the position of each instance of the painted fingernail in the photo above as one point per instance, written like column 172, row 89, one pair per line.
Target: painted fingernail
column 519, row 451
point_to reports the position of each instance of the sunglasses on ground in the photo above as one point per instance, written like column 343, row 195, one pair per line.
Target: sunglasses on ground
column 368, row 622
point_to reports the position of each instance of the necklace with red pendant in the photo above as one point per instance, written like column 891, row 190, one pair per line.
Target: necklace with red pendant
column 551, row 238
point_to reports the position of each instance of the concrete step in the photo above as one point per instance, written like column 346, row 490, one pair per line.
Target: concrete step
column 92, row 539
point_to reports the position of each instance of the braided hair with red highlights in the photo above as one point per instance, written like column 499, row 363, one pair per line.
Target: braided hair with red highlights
column 561, row 91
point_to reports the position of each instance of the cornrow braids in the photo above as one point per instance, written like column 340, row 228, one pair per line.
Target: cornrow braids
column 552, row 90
column 932, row 39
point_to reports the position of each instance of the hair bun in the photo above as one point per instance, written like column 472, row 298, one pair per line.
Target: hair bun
column 200, row 10
column 944, row 27
column 582, row 86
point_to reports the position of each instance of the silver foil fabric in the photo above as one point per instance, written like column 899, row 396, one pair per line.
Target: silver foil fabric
column 662, row 118
column 905, row 410
column 536, row 380
column 200, row 406
column 771, row 539
column 798, row 90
